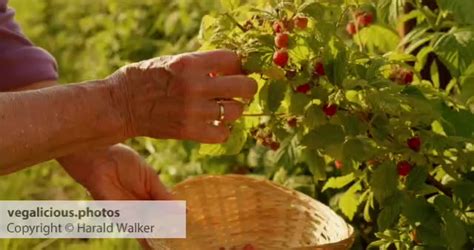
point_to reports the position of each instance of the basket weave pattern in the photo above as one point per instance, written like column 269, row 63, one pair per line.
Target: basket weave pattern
column 232, row 211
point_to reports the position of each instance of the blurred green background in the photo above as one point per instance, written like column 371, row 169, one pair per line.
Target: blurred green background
column 91, row 39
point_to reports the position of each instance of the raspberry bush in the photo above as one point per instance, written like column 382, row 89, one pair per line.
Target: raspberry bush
column 365, row 105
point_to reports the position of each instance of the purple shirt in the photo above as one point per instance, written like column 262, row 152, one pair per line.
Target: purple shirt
column 21, row 63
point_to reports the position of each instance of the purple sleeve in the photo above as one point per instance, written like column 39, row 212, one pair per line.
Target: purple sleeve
column 21, row 63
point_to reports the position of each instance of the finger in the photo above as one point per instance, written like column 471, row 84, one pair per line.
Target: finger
column 203, row 132
column 158, row 191
column 144, row 244
column 228, row 87
column 224, row 62
column 210, row 110
column 232, row 110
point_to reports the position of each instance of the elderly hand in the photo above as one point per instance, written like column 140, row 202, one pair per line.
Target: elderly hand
column 115, row 173
column 176, row 98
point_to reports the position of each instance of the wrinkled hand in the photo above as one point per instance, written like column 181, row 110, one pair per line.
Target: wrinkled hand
column 115, row 173
column 175, row 97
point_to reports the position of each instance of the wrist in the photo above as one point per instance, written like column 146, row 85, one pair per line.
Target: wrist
column 134, row 92
column 117, row 94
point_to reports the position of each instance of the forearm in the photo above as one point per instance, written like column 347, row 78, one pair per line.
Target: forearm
column 50, row 123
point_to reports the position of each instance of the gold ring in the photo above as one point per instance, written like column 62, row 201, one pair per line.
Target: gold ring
column 221, row 116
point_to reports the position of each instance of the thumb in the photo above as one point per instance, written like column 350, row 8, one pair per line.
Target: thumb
column 158, row 191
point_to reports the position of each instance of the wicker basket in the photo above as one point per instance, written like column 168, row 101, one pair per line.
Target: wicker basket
column 229, row 212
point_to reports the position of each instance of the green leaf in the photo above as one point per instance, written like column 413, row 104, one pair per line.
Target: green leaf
column 457, row 122
column 253, row 62
column 384, row 181
column 378, row 39
column 335, row 61
column 276, row 94
column 461, row 9
column 388, row 216
column 298, row 103
column 233, row 146
column 454, row 231
column 349, row 201
column 416, row 179
column 314, row 117
column 456, row 49
column 463, row 190
column 339, row 182
column 418, row 210
column 230, row 5
column 467, row 85
column 358, row 149
column 316, row 164
column 324, row 136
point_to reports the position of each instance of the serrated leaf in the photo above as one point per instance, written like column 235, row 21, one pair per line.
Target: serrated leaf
column 316, row 164
column 324, row 136
column 378, row 39
column 460, row 8
column 463, row 190
column 298, row 103
column 454, row 231
column 418, row 210
column 230, row 5
column 349, row 201
column 276, row 94
column 387, row 217
column 384, row 181
column 339, row 182
column 456, row 49
column 358, row 150
column 314, row 117
column 416, row 179
column 335, row 57
column 233, row 146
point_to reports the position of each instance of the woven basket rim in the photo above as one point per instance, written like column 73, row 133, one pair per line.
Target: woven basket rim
column 350, row 230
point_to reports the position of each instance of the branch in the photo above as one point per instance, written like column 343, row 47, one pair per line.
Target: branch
column 445, row 190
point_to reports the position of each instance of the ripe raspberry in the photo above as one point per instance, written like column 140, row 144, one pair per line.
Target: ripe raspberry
column 304, row 89
column 365, row 19
column 404, row 168
column 414, row 143
column 293, row 122
column 301, row 22
column 351, row 28
column 281, row 58
column 330, row 110
column 282, row 40
column 278, row 27
column 319, row 69
column 339, row 164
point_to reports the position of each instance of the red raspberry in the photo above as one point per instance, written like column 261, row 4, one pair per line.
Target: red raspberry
column 351, row 28
column 301, row 22
column 365, row 19
column 281, row 58
column 339, row 164
column 330, row 110
column 414, row 143
column 303, row 89
column 319, row 69
column 278, row 27
column 282, row 40
column 293, row 122
column 404, row 168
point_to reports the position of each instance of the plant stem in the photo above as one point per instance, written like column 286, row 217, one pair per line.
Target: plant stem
column 235, row 22
column 445, row 190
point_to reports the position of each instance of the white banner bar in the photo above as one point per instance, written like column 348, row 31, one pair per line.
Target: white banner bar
column 92, row 219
